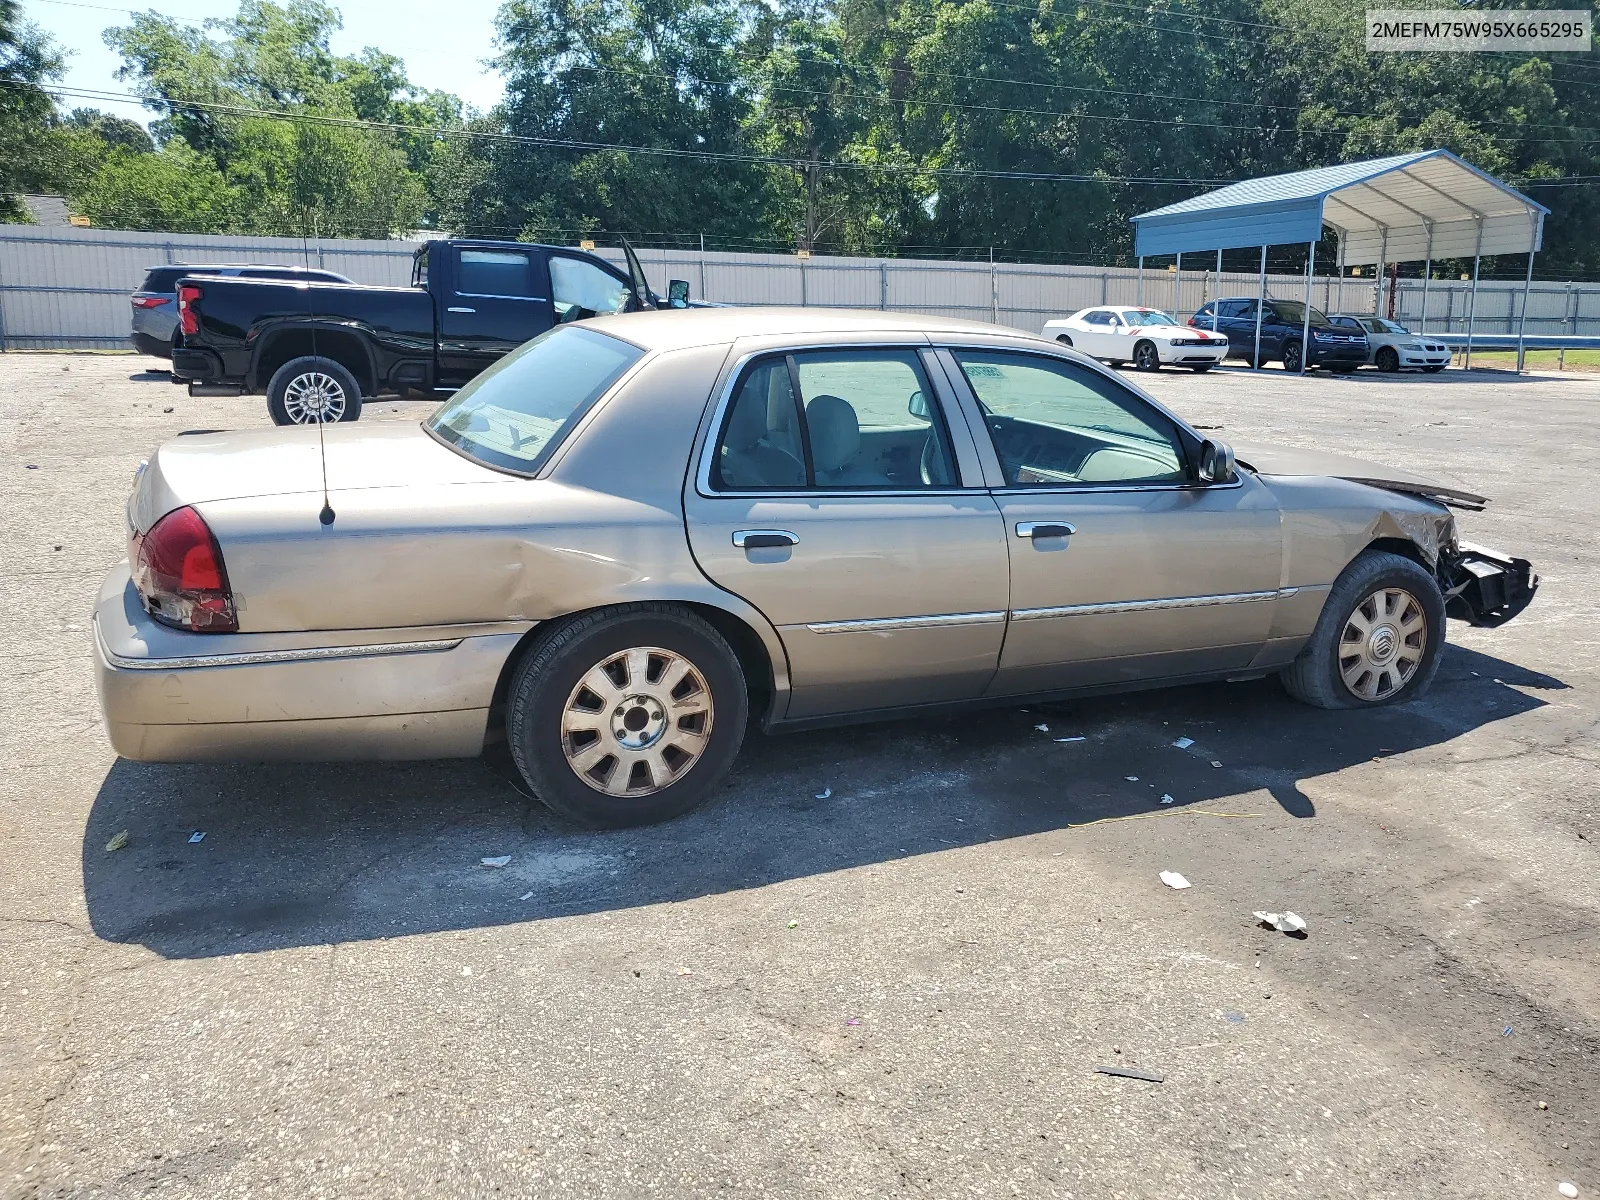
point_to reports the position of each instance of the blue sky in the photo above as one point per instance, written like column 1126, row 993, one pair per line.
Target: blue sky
column 442, row 45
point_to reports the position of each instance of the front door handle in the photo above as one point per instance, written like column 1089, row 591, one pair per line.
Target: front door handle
column 764, row 539
column 1045, row 529
column 459, row 308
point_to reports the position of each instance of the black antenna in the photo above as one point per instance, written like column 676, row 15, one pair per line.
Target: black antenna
column 327, row 514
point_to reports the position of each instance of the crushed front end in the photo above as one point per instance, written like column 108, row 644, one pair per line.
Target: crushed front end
column 1484, row 586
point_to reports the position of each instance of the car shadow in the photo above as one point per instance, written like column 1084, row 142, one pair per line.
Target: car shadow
column 312, row 854
column 152, row 375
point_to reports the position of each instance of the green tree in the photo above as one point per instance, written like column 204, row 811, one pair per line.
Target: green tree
column 28, row 162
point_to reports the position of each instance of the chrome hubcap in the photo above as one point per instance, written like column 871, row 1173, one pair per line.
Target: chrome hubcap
column 313, row 397
column 1383, row 642
column 637, row 722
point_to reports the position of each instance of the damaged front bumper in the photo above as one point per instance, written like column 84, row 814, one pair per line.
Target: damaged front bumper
column 1484, row 586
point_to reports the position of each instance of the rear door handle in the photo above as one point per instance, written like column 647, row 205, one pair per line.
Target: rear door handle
column 1045, row 529
column 459, row 308
column 764, row 539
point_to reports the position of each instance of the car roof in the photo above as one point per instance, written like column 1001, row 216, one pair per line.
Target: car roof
column 682, row 328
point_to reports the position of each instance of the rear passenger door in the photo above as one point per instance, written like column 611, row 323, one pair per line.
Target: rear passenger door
column 837, row 494
column 497, row 299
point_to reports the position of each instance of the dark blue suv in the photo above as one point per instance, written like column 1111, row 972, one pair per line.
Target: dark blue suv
column 1282, row 332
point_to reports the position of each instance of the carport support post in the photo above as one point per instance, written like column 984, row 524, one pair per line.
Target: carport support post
column 1177, row 274
column 1472, row 300
column 1261, row 302
column 1522, row 322
column 1427, row 274
column 1138, row 287
column 1216, row 306
column 1305, row 332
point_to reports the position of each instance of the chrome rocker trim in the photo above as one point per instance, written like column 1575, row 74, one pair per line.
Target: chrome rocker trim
column 253, row 658
column 1083, row 610
column 889, row 624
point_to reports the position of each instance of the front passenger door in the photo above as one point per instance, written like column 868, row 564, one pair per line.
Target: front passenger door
column 1124, row 567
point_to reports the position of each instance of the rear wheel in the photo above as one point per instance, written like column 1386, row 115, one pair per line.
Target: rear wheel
column 1387, row 360
column 313, row 390
column 1291, row 355
column 1378, row 639
column 1063, row 339
column 627, row 716
column 1146, row 357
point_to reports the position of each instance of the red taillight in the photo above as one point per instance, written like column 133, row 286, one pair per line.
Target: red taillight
column 179, row 572
column 187, row 316
column 1195, row 321
column 149, row 301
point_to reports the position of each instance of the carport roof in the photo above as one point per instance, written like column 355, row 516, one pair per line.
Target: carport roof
column 1401, row 209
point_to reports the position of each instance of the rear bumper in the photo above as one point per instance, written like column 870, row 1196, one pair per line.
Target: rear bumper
column 171, row 696
column 148, row 343
column 1484, row 586
column 196, row 366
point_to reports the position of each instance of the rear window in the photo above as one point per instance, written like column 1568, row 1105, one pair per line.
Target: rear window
column 164, row 279
column 514, row 414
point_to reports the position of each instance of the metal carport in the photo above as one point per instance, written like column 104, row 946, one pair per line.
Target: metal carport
column 1404, row 208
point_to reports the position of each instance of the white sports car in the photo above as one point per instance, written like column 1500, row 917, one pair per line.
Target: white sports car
column 1146, row 337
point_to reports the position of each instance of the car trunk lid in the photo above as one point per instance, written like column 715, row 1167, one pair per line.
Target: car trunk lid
column 203, row 466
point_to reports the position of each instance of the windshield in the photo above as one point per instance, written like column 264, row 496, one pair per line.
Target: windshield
column 1295, row 313
column 518, row 410
column 1146, row 316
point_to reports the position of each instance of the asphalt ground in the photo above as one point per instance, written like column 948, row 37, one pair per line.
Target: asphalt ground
column 886, row 961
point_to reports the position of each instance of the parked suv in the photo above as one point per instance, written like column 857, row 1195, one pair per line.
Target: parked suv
column 1283, row 325
column 1394, row 346
column 155, row 304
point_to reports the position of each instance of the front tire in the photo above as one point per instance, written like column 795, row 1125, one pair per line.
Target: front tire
column 1064, row 340
column 627, row 716
column 312, row 390
column 1291, row 356
column 1378, row 639
column 1146, row 357
column 1387, row 360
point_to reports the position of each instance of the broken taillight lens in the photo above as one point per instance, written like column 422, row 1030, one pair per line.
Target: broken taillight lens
column 188, row 318
column 179, row 572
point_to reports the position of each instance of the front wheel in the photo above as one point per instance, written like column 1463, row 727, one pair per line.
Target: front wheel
column 1064, row 339
column 1387, row 360
column 311, row 391
column 1146, row 357
column 627, row 716
column 1291, row 356
column 1378, row 639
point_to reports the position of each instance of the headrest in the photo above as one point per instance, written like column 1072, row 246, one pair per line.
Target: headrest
column 748, row 425
column 835, row 432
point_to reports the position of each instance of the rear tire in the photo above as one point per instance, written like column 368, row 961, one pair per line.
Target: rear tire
column 1378, row 639
column 305, row 386
column 614, row 699
column 1387, row 360
column 1146, row 357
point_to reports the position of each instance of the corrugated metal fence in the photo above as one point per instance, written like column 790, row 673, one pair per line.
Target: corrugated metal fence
column 68, row 288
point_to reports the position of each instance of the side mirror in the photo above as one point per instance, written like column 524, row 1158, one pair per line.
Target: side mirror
column 677, row 293
column 917, row 406
column 1216, row 462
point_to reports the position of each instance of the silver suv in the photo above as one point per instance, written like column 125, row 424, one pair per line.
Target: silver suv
column 155, row 304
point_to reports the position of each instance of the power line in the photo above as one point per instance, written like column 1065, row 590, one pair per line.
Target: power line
column 623, row 148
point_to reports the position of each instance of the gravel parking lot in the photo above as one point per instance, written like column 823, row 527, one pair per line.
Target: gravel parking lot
column 886, row 962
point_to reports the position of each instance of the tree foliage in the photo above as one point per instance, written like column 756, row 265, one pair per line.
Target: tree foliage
column 876, row 126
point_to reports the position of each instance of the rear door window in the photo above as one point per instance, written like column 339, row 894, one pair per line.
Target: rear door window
column 580, row 288
column 483, row 272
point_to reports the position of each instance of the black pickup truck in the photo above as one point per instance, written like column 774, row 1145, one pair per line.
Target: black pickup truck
column 316, row 349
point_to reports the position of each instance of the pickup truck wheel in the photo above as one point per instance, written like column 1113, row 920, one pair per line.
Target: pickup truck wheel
column 627, row 716
column 309, row 390
column 1378, row 639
